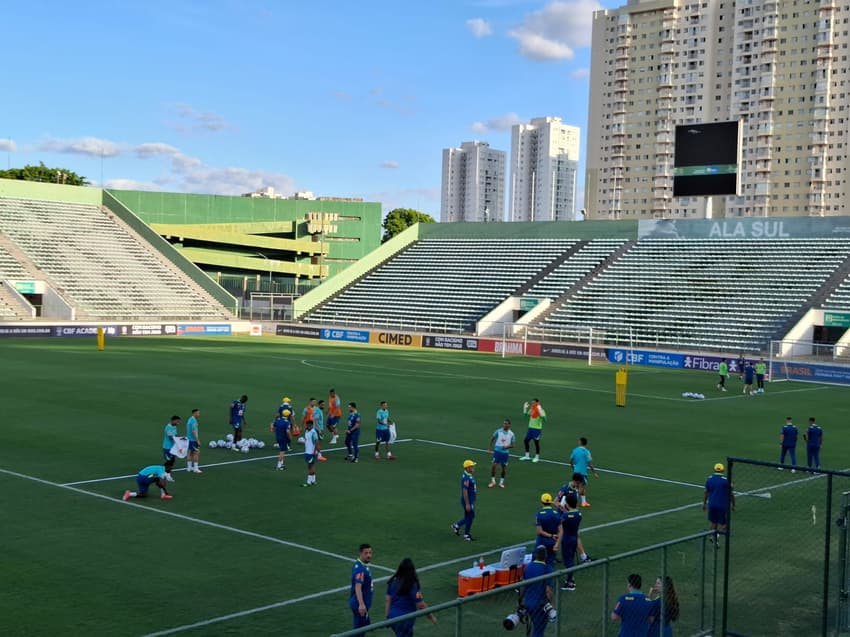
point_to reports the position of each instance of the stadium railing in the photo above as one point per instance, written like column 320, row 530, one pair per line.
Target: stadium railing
column 693, row 563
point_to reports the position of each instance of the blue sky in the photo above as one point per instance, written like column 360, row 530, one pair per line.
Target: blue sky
column 340, row 98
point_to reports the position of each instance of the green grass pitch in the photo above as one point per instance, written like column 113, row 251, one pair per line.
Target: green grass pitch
column 78, row 561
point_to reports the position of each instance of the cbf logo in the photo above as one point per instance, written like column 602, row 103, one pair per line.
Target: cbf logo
column 618, row 357
column 326, row 333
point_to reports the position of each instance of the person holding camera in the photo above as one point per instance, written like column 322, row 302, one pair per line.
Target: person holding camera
column 537, row 597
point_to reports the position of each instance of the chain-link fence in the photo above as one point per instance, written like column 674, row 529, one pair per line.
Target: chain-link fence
column 690, row 603
column 786, row 553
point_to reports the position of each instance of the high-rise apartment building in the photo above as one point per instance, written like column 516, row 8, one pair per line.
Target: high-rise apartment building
column 473, row 183
column 780, row 66
column 544, row 163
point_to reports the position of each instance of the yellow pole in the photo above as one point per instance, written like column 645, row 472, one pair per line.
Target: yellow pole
column 101, row 339
column 622, row 380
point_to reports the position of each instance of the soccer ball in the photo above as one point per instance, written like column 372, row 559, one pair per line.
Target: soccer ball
column 301, row 440
column 229, row 437
column 260, row 444
column 213, row 444
column 276, row 446
column 221, row 444
column 228, row 445
column 245, row 448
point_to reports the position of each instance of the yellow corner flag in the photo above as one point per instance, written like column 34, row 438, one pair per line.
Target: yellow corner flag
column 101, row 339
column 622, row 379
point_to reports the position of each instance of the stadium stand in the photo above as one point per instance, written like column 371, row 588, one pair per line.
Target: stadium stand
column 590, row 255
column 839, row 299
column 729, row 294
column 99, row 265
column 441, row 283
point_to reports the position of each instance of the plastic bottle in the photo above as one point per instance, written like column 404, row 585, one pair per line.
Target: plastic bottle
column 481, row 562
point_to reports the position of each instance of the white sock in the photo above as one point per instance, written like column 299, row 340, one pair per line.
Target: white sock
column 191, row 466
column 133, row 494
column 583, row 499
column 502, row 481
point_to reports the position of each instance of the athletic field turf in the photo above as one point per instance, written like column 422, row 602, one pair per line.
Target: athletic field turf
column 78, row 424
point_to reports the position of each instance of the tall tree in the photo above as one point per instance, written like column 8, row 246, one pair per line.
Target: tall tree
column 45, row 174
column 402, row 218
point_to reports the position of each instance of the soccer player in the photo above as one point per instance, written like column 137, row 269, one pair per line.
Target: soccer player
column 500, row 442
column 360, row 593
column 749, row 376
column 633, row 610
column 311, row 452
column 572, row 487
column 723, row 371
column 537, row 598
column 742, row 363
column 237, row 419
column 382, row 431
column 814, row 440
column 334, row 414
column 536, row 419
column 169, row 434
column 154, row 474
column 548, row 525
column 581, row 461
column 570, row 540
column 404, row 596
column 192, row 427
column 718, row 495
column 319, row 424
column 467, row 500
column 352, row 433
column 761, row 370
column 788, row 441
column 281, row 426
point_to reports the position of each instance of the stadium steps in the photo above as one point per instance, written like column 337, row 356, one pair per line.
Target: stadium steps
column 575, row 287
column 528, row 285
column 839, row 296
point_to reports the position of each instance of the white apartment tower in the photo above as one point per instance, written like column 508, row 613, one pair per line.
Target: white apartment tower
column 544, row 164
column 779, row 66
column 473, row 183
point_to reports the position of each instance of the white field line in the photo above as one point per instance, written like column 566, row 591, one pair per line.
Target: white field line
column 567, row 464
column 188, row 518
column 224, row 464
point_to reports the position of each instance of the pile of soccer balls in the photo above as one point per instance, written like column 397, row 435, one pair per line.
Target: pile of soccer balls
column 244, row 445
column 690, row 394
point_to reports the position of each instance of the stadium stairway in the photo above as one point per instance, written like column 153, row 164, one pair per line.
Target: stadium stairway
column 528, row 285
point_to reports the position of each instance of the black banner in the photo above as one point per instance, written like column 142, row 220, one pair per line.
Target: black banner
column 26, row 330
column 450, row 342
column 571, row 351
column 301, row 331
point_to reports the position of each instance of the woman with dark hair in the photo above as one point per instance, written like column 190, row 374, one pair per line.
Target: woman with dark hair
column 671, row 607
column 404, row 596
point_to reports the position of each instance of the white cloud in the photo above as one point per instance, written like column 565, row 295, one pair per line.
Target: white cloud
column 91, row 146
column 580, row 74
column 501, row 123
column 479, row 27
column 154, row 149
column 232, row 181
column 389, row 164
column 130, row 184
column 8, row 146
column 555, row 31
column 199, row 120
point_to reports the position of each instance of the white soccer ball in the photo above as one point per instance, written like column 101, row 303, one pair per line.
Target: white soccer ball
column 213, row 444
column 260, row 444
column 228, row 445
column 301, row 439
column 221, row 444
column 246, row 449
column 276, row 446
column 229, row 437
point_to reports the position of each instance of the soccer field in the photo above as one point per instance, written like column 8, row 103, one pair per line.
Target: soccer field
column 244, row 549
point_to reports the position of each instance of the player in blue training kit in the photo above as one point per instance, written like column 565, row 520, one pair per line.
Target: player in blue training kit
column 382, row 431
column 581, row 462
column 537, row 597
column 814, row 440
column 788, row 440
column 633, row 610
column 237, row 418
column 548, row 525
column 570, row 540
column 572, row 486
column 352, row 433
column 718, row 495
column 193, row 434
column 360, row 593
column 467, row 500
column 154, row 474
column 169, row 434
column 281, row 427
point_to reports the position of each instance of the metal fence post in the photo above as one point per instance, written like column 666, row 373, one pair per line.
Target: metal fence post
column 826, row 541
column 605, row 575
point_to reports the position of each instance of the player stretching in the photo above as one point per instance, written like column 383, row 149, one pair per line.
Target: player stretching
column 334, row 414
column 154, row 474
column 502, row 440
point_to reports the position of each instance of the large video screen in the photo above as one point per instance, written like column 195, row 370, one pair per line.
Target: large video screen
column 707, row 159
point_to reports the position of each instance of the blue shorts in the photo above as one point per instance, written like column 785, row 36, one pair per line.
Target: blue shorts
column 583, row 479
column 717, row 515
column 333, row 421
column 193, row 446
column 167, row 456
column 382, row 435
column 282, row 441
column 310, row 458
column 144, row 482
column 236, row 425
column 501, row 457
column 533, row 434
